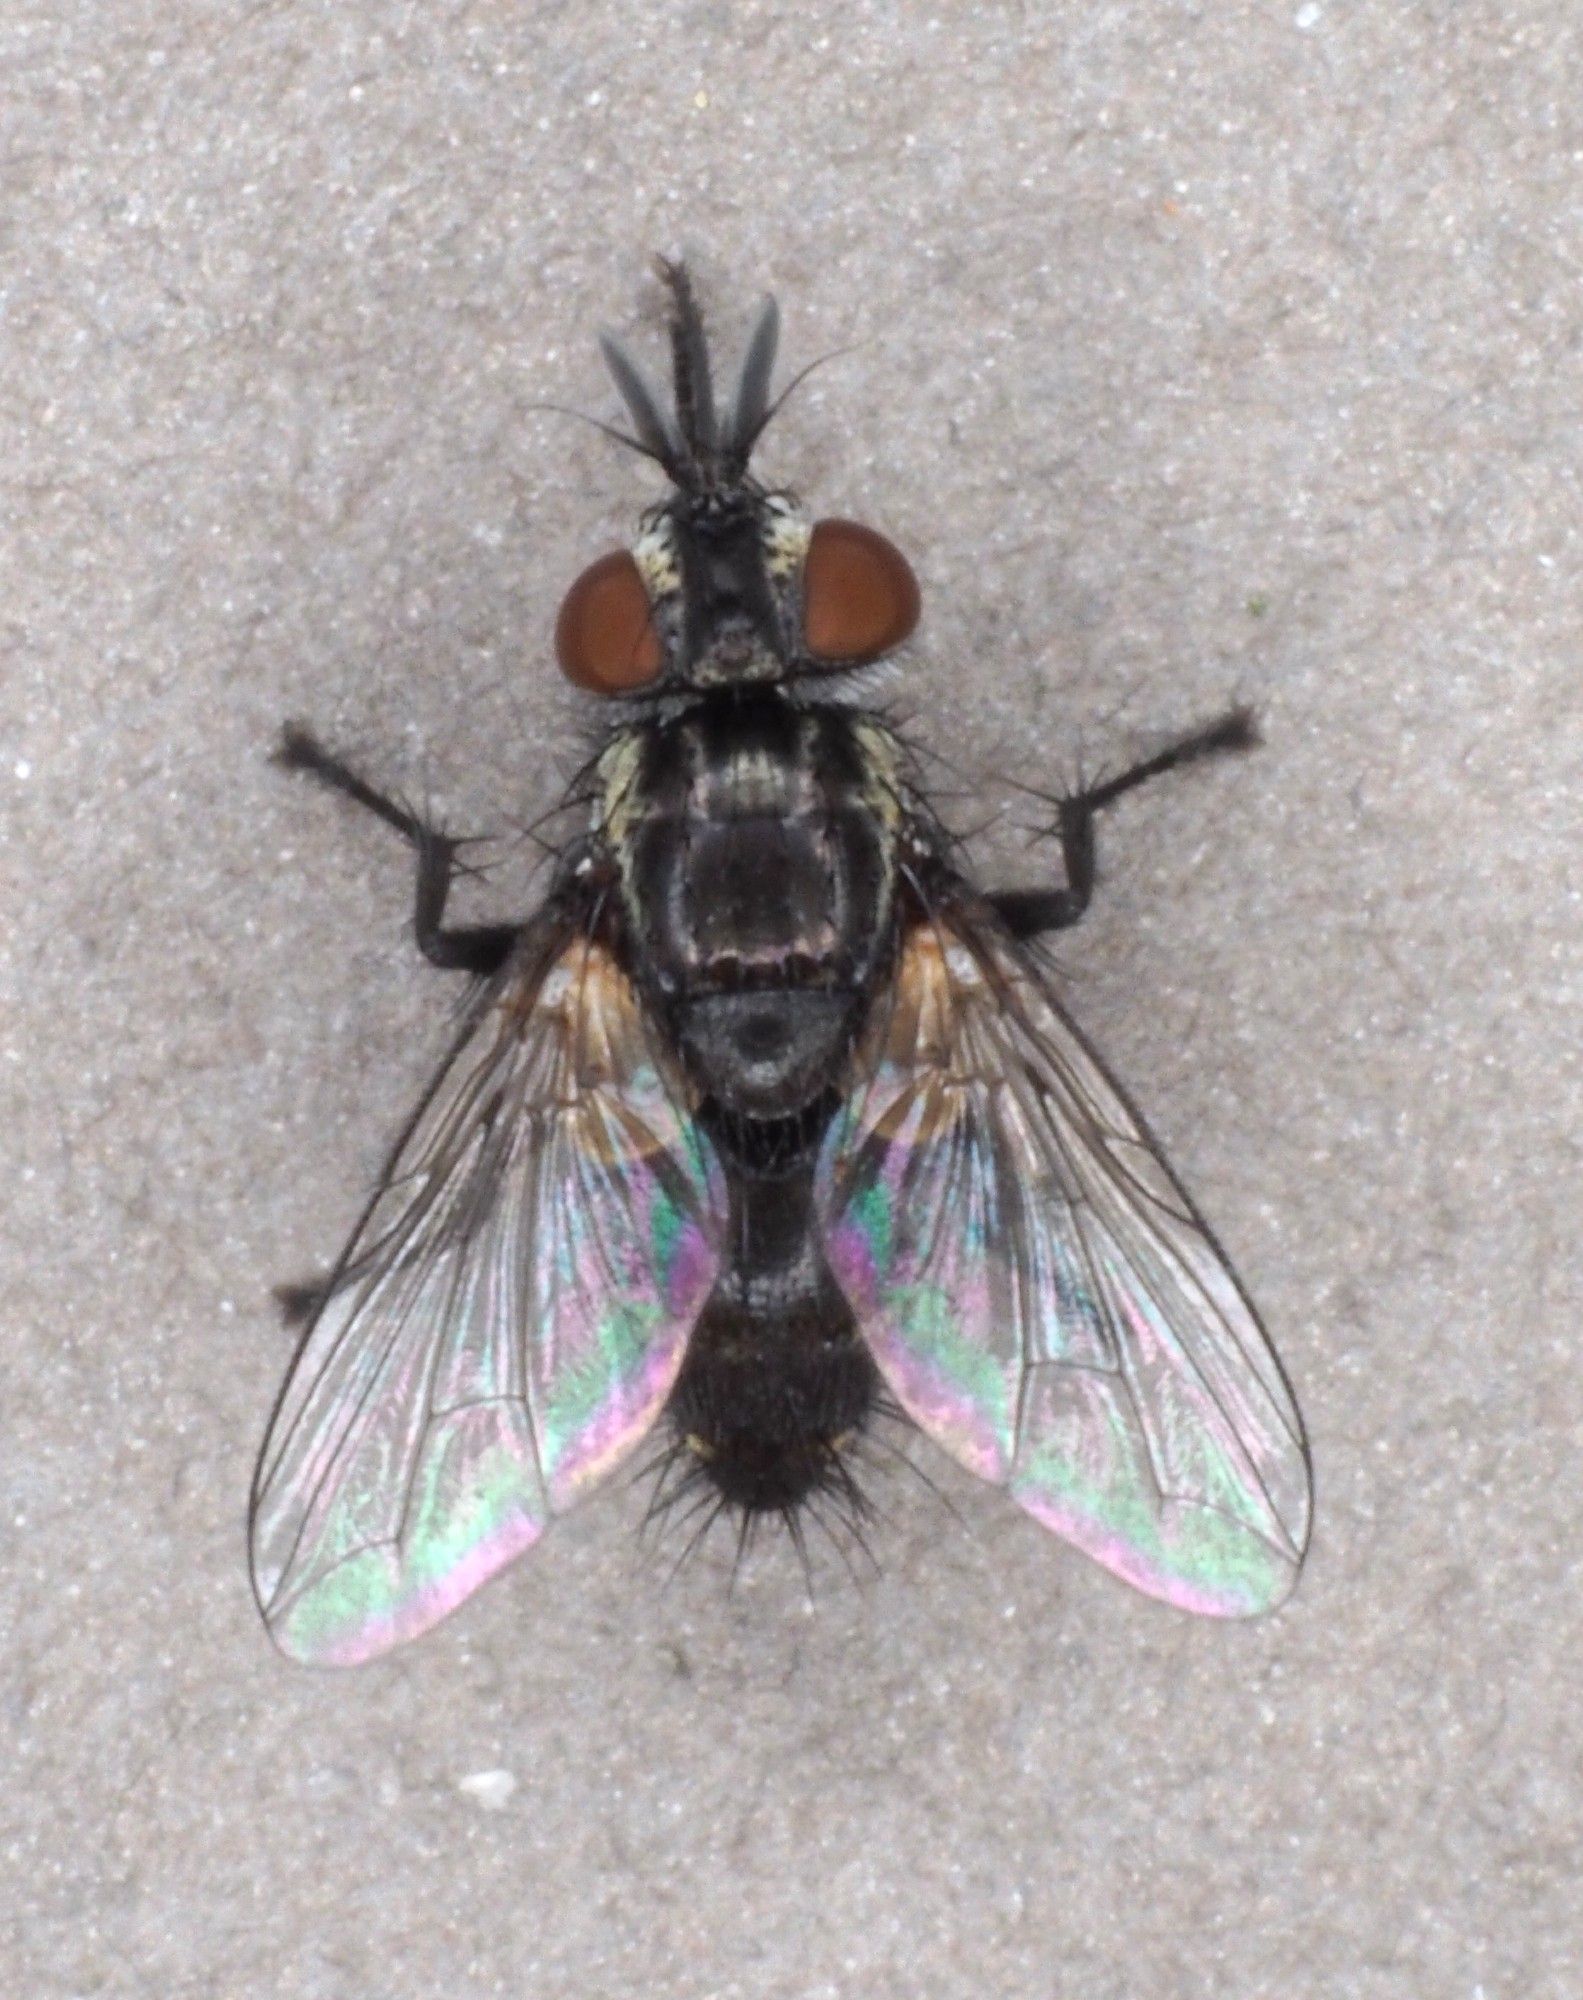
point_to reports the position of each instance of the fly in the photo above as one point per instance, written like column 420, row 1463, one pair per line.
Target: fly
column 766, row 1121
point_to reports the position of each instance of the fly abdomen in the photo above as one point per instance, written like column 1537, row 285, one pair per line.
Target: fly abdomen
column 777, row 1381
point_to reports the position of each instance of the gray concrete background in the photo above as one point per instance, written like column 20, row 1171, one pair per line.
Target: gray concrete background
column 1203, row 351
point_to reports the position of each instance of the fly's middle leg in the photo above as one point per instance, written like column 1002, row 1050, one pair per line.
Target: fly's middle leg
column 477, row 948
column 1028, row 913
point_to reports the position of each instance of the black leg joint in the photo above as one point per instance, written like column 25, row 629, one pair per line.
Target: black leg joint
column 480, row 949
column 1029, row 913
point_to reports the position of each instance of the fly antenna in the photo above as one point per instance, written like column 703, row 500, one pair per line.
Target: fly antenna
column 695, row 397
column 656, row 433
column 703, row 449
column 750, row 407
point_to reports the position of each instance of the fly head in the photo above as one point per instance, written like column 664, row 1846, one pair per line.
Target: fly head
column 728, row 585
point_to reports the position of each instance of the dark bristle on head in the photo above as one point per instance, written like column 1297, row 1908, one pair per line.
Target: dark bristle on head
column 704, row 450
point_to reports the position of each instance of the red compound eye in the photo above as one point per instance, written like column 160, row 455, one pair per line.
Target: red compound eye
column 860, row 597
column 604, row 637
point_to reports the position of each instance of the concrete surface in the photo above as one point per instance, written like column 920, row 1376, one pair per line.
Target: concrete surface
column 1202, row 350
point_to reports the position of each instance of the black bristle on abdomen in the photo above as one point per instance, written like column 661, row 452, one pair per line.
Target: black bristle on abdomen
column 773, row 1149
column 767, row 1422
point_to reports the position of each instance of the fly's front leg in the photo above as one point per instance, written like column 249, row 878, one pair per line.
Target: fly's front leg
column 1028, row 913
column 477, row 948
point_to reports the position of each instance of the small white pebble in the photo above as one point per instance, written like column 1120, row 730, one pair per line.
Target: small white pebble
column 491, row 1789
column 1309, row 15
column 23, row 769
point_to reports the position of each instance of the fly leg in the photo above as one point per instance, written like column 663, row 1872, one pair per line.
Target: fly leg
column 1028, row 913
column 481, row 949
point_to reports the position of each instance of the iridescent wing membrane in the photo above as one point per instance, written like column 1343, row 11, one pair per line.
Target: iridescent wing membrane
column 1039, row 1293
column 507, row 1320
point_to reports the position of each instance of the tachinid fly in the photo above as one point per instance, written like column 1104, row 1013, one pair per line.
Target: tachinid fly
column 765, row 1118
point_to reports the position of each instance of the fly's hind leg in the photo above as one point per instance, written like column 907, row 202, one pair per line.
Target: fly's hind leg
column 477, row 948
column 1028, row 913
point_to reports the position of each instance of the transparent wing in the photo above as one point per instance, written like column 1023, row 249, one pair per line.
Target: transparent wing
column 508, row 1317
column 1039, row 1293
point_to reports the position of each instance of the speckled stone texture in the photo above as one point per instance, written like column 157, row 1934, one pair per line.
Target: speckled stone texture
column 1195, row 352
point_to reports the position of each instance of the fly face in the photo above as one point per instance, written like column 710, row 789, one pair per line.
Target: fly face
column 765, row 1122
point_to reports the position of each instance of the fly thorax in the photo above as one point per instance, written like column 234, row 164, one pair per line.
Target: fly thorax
column 761, row 901
column 757, row 882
